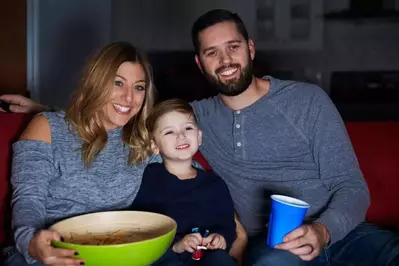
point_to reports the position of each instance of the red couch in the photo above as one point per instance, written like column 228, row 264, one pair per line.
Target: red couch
column 376, row 145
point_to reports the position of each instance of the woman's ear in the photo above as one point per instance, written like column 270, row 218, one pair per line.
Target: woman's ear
column 154, row 147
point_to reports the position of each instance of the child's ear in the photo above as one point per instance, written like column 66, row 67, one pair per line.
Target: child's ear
column 199, row 137
column 154, row 147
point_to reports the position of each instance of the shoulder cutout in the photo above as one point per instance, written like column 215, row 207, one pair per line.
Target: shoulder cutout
column 37, row 129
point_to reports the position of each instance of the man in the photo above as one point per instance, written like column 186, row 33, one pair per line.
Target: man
column 263, row 136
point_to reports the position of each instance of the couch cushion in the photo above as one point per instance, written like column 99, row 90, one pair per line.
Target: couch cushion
column 10, row 127
column 377, row 148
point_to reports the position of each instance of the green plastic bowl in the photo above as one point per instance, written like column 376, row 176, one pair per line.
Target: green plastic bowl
column 120, row 238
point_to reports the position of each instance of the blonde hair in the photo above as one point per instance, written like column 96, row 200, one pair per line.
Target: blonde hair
column 164, row 107
column 84, row 113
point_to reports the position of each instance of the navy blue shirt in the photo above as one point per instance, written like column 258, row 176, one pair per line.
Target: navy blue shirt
column 203, row 201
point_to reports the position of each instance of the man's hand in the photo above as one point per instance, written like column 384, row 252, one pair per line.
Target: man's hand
column 188, row 243
column 306, row 241
column 214, row 241
column 22, row 104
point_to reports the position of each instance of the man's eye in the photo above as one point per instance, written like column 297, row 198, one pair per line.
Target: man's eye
column 213, row 53
column 118, row 83
column 234, row 47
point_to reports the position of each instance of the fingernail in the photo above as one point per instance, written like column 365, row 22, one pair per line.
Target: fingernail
column 76, row 253
column 62, row 239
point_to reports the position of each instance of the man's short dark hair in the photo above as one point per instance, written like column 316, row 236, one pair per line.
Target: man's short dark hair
column 213, row 17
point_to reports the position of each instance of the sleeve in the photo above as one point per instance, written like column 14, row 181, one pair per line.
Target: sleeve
column 32, row 169
column 339, row 170
column 226, row 224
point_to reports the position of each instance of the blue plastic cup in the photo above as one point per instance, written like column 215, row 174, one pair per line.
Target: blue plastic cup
column 286, row 215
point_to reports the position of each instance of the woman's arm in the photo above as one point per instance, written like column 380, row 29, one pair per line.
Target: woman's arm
column 238, row 247
column 31, row 171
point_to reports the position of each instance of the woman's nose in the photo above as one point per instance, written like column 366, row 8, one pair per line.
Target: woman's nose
column 128, row 93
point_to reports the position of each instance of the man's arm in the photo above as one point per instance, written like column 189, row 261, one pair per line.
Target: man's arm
column 240, row 243
column 22, row 104
column 339, row 170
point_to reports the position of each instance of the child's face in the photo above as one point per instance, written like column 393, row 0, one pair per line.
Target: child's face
column 176, row 136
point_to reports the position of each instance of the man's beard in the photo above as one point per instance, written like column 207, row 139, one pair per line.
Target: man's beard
column 232, row 87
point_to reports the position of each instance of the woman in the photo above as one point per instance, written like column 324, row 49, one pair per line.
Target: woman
column 90, row 158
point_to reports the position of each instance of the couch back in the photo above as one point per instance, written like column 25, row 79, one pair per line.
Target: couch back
column 377, row 148
column 11, row 125
column 376, row 145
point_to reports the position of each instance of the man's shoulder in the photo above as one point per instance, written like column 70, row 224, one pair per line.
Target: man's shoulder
column 206, row 107
column 291, row 87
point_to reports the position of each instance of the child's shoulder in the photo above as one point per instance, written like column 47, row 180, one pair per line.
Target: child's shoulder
column 153, row 170
column 211, row 176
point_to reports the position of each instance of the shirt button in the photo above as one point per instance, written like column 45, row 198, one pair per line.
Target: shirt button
column 238, row 112
column 239, row 144
column 238, row 126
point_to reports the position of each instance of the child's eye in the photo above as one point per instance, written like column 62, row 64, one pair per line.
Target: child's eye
column 118, row 83
column 189, row 128
column 168, row 132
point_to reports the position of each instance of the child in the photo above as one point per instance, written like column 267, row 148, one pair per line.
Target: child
column 192, row 197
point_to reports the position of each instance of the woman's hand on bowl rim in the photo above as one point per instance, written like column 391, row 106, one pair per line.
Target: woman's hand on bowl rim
column 40, row 249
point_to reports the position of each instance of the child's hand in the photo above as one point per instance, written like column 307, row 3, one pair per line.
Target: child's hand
column 214, row 241
column 188, row 243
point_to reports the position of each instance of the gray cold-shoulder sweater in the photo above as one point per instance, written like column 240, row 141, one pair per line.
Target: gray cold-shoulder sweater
column 50, row 181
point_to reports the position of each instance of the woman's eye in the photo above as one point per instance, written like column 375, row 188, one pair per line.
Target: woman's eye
column 118, row 83
column 140, row 88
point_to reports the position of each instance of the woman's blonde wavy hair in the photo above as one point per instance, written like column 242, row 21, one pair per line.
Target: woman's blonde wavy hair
column 84, row 113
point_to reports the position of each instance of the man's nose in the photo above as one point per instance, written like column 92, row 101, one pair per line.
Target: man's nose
column 225, row 58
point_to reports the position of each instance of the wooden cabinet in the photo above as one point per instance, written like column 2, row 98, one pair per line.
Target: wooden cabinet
column 288, row 24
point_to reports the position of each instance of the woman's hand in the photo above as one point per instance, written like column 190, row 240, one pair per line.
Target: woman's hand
column 188, row 243
column 40, row 249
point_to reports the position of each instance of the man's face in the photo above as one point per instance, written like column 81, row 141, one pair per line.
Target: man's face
column 225, row 58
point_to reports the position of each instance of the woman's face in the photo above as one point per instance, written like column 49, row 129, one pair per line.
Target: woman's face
column 127, row 95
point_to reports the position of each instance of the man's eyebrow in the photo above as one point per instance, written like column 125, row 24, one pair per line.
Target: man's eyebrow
column 229, row 42
column 234, row 41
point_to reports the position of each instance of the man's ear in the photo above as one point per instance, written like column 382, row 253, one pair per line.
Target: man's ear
column 251, row 46
column 199, row 137
column 197, row 60
column 154, row 147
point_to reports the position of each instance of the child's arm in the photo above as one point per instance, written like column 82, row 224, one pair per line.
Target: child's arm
column 239, row 244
